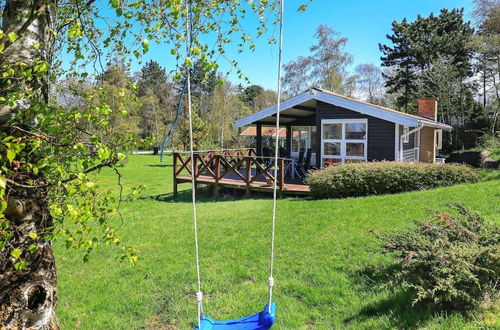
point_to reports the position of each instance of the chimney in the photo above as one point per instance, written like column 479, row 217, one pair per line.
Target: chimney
column 427, row 107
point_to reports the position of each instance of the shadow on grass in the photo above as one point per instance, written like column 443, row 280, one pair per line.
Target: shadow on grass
column 205, row 195
column 398, row 307
column 159, row 165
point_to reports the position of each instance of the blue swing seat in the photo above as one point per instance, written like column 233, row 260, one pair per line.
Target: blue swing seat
column 260, row 321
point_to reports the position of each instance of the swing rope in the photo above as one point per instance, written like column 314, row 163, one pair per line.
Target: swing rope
column 276, row 151
column 199, row 294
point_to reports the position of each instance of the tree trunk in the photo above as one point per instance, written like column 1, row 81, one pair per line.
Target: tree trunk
column 28, row 297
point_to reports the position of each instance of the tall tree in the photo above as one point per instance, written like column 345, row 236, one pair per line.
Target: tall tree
column 487, row 45
column 152, row 78
column 415, row 46
column 326, row 67
column 47, row 155
column 371, row 83
column 250, row 93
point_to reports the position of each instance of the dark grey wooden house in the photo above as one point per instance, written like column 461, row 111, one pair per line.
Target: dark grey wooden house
column 340, row 129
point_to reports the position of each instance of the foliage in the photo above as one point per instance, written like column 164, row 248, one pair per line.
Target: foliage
column 147, row 143
column 378, row 178
column 452, row 261
column 33, row 162
column 152, row 78
column 200, row 130
column 487, row 46
column 326, row 67
column 444, row 81
column 370, row 82
column 417, row 45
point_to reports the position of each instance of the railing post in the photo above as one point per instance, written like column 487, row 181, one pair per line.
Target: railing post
column 174, row 165
column 248, row 175
column 217, row 175
column 194, row 169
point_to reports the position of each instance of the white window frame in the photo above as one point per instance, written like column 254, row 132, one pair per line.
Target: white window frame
column 406, row 138
column 343, row 141
column 295, row 154
column 439, row 139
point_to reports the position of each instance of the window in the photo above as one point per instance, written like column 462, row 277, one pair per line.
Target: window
column 303, row 138
column 439, row 139
column 406, row 138
column 343, row 141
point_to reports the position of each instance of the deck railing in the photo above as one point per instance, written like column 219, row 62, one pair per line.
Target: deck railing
column 217, row 165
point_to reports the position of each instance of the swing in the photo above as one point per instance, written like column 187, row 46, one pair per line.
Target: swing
column 264, row 319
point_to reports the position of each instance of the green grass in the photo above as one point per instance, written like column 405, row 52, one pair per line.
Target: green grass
column 324, row 261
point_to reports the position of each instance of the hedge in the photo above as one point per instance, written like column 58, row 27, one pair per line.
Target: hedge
column 377, row 178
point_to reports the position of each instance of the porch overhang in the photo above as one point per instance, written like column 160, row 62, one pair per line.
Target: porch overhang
column 304, row 105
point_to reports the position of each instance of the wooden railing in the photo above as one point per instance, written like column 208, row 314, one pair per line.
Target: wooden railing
column 218, row 165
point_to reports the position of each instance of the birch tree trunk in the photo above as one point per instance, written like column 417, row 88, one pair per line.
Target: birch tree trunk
column 28, row 297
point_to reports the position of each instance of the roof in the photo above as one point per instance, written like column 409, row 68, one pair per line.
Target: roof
column 318, row 94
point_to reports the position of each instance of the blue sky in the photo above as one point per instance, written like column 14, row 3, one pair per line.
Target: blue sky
column 364, row 22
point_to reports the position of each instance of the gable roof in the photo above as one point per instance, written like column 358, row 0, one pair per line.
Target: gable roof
column 329, row 97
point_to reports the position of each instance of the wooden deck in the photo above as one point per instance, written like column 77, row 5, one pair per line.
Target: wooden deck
column 239, row 169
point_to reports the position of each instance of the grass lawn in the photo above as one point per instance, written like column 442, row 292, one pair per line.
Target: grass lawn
column 325, row 253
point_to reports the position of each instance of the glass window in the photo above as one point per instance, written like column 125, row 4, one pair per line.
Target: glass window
column 355, row 149
column 406, row 138
column 299, row 138
column 313, row 139
column 332, row 148
column 355, row 131
column 332, row 131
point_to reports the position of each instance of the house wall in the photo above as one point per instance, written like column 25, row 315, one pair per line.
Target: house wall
column 427, row 145
column 381, row 133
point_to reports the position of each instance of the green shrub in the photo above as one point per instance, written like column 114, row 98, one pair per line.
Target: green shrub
column 376, row 178
column 448, row 260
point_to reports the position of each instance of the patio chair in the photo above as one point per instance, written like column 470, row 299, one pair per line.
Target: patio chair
column 282, row 152
column 300, row 161
column 307, row 163
column 266, row 153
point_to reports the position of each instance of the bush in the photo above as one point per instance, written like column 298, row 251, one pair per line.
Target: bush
column 449, row 260
column 362, row 179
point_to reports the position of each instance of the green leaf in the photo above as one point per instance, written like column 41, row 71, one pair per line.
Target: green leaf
column 21, row 265
column 11, row 154
column 3, row 182
column 145, row 45
column 15, row 253
column 12, row 36
column 33, row 235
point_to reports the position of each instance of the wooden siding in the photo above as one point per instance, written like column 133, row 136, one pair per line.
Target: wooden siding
column 380, row 132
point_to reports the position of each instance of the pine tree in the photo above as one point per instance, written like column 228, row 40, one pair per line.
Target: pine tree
column 419, row 44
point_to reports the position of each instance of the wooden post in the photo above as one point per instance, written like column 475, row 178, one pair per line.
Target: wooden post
column 217, row 175
column 259, row 140
column 288, row 140
column 248, row 176
column 174, row 166
column 194, row 169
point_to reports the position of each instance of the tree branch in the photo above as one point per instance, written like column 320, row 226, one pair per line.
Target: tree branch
column 107, row 163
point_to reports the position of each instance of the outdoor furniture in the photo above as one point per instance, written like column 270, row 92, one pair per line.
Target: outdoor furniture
column 282, row 153
column 266, row 154
column 300, row 160
column 291, row 168
column 307, row 162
